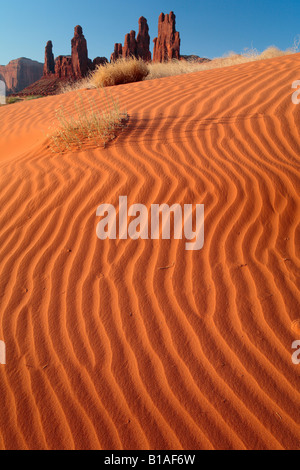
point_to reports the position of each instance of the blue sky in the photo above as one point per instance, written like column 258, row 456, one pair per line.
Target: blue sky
column 208, row 28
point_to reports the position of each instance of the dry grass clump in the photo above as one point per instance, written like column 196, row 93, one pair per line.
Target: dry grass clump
column 179, row 67
column 119, row 72
column 87, row 124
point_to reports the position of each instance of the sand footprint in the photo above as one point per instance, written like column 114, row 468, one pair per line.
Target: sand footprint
column 296, row 326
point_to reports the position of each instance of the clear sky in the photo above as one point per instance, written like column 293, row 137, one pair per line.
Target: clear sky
column 208, row 28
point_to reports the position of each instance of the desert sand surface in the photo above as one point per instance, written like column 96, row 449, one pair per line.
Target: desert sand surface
column 106, row 350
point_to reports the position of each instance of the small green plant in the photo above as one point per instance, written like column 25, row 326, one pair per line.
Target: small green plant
column 87, row 125
column 13, row 99
column 33, row 97
column 18, row 99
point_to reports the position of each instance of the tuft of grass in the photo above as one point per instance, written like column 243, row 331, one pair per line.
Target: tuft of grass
column 119, row 72
column 87, row 125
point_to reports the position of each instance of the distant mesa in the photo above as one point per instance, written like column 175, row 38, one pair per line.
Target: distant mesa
column 138, row 47
column 167, row 43
column 20, row 73
column 194, row 59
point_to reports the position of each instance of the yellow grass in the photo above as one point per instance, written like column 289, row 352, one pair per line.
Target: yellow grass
column 119, row 72
column 87, row 124
column 178, row 67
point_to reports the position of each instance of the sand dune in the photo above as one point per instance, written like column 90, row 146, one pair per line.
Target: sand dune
column 104, row 349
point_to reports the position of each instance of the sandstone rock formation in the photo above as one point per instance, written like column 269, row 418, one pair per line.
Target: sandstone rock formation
column 167, row 44
column 194, row 59
column 75, row 66
column 130, row 45
column 143, row 40
column 30, row 78
column 134, row 47
column 99, row 61
column 20, row 73
column 117, row 54
column 63, row 67
column 49, row 66
column 79, row 54
column 50, row 85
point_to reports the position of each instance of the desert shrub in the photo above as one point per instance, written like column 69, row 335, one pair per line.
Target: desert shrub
column 120, row 72
column 87, row 124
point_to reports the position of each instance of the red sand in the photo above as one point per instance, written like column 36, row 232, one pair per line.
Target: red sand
column 104, row 349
